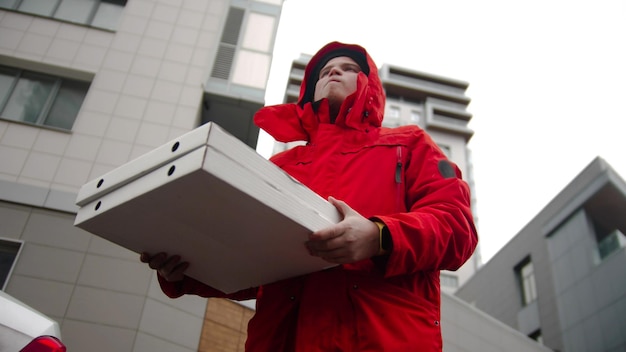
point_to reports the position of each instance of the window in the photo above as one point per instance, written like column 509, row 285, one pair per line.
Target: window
column 526, row 278
column 611, row 242
column 97, row 13
column 536, row 335
column 393, row 112
column 609, row 238
column 244, row 52
column 40, row 99
column 8, row 254
column 258, row 33
column 416, row 117
column 392, row 116
column 228, row 44
column 604, row 213
column 449, row 280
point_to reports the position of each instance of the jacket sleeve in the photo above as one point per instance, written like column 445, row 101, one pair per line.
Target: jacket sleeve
column 192, row 286
column 437, row 232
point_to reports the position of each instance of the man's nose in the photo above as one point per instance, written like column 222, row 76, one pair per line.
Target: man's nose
column 334, row 71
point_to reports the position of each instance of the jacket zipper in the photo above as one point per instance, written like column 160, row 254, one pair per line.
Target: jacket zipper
column 399, row 200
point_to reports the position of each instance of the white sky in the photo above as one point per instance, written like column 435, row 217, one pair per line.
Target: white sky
column 547, row 82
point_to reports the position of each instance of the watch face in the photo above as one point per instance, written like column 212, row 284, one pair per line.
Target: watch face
column 386, row 243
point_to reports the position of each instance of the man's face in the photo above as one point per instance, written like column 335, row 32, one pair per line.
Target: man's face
column 337, row 79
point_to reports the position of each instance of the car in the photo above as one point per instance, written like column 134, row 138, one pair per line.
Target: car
column 25, row 329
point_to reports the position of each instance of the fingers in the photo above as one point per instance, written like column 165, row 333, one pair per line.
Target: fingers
column 341, row 206
column 318, row 245
column 348, row 216
column 156, row 262
column 331, row 244
column 169, row 264
column 152, row 261
column 171, row 268
column 354, row 238
column 336, row 256
column 174, row 271
column 328, row 233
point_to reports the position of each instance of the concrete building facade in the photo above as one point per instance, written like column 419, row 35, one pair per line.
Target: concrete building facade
column 562, row 279
column 86, row 86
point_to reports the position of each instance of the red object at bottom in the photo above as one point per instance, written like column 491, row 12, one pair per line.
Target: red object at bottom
column 45, row 344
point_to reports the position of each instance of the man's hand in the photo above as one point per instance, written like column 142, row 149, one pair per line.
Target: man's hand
column 354, row 238
column 170, row 268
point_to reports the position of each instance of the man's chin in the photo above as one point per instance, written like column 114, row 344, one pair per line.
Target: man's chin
column 335, row 97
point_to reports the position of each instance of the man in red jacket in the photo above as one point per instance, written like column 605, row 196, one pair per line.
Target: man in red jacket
column 406, row 216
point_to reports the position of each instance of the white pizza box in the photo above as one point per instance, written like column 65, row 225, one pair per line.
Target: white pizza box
column 237, row 218
column 144, row 164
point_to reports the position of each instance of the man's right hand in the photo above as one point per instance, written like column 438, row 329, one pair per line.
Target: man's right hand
column 170, row 268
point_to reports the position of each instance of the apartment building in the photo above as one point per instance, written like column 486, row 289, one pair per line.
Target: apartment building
column 562, row 279
column 86, row 86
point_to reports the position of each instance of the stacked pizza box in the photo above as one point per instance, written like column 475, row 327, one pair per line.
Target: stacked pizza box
column 238, row 219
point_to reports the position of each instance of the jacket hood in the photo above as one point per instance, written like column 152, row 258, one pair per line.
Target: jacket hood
column 361, row 110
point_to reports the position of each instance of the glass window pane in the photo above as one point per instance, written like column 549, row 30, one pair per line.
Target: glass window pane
column 394, row 112
column 75, row 10
column 527, row 270
column 28, row 98
column 66, row 104
column 108, row 16
column 415, row 116
column 259, row 32
column 251, row 69
column 8, row 253
column 38, row 7
column 527, row 293
column 7, row 77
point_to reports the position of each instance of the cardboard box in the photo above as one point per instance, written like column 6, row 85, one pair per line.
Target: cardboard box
column 236, row 217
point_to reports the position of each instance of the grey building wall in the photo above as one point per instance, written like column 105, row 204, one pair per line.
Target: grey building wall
column 147, row 82
column 103, row 298
column 580, row 290
column 590, row 291
column 467, row 329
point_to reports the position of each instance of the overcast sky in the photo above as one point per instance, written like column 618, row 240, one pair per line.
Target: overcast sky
column 547, row 82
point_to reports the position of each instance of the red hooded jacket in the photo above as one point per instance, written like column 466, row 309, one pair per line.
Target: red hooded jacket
column 396, row 176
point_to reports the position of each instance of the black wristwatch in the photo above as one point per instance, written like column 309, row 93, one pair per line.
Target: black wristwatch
column 385, row 239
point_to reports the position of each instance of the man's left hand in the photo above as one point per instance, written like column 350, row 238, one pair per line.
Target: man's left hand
column 352, row 239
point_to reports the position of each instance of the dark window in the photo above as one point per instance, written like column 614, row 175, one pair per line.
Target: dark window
column 610, row 242
column 525, row 273
column 97, row 13
column 40, row 99
column 536, row 335
column 8, row 254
